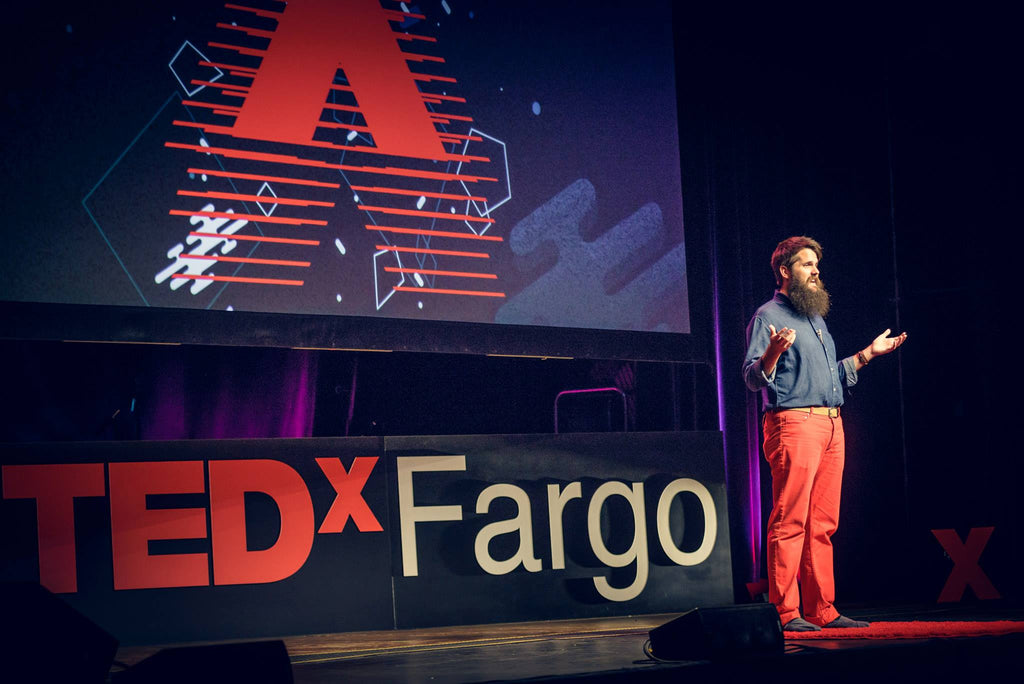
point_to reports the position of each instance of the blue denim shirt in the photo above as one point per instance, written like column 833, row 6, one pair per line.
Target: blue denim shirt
column 808, row 373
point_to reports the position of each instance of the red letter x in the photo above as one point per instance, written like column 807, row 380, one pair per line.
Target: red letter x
column 349, row 500
column 966, row 570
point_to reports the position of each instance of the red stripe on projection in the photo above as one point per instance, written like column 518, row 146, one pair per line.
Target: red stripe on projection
column 207, row 128
column 470, row 293
column 269, row 14
column 436, row 233
column 438, row 116
column 299, row 161
column 259, row 238
column 413, row 36
column 265, row 199
column 253, row 176
column 349, row 127
column 450, row 98
column 413, row 57
column 428, row 214
column 230, row 131
column 442, row 252
column 342, row 88
column 374, row 150
column 395, row 15
column 248, row 71
column 249, row 217
column 239, row 49
column 414, row 193
column 223, row 87
column 453, row 137
column 210, row 105
column 245, row 260
column 225, row 112
column 412, row 173
column 458, row 274
column 431, row 77
column 248, row 30
column 254, row 156
column 343, row 108
column 239, row 279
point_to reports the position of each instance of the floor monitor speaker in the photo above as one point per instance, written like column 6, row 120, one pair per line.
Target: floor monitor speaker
column 253, row 662
column 720, row 633
column 43, row 639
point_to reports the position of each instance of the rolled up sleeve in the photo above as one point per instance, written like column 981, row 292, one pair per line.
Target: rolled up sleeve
column 848, row 371
column 758, row 336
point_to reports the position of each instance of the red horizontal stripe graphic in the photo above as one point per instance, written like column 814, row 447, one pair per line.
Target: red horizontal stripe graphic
column 238, row 279
column 299, row 161
column 428, row 214
column 459, row 274
column 414, row 193
column 246, row 260
column 270, row 14
column 442, row 252
column 436, row 233
column 261, row 238
column 275, row 179
column 250, row 217
column 238, row 48
column 266, row 199
column 471, row 293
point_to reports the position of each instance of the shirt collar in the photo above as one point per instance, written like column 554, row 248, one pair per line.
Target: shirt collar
column 783, row 299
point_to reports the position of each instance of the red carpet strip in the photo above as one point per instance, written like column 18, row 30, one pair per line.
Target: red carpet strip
column 915, row 630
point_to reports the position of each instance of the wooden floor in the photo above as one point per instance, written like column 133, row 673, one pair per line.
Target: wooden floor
column 611, row 650
column 474, row 652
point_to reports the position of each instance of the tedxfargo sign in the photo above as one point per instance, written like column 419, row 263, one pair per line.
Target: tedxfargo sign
column 338, row 534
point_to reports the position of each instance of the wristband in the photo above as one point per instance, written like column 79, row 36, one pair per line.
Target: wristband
column 863, row 359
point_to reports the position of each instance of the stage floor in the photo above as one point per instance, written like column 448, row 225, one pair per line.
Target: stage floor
column 611, row 649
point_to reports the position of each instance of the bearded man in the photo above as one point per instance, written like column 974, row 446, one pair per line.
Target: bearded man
column 791, row 359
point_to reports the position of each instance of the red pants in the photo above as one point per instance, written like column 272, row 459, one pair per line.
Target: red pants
column 806, row 453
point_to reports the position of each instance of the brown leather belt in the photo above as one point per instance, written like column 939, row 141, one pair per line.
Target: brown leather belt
column 830, row 411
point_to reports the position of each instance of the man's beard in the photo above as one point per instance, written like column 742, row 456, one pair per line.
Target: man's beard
column 807, row 300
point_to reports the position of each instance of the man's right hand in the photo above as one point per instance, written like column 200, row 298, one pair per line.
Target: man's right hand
column 779, row 342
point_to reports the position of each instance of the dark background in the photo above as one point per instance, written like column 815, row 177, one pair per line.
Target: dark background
column 886, row 134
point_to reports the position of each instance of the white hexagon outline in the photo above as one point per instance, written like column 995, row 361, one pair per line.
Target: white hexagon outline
column 508, row 182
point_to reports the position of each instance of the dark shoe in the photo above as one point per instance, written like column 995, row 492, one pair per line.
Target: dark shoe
column 845, row 623
column 800, row 625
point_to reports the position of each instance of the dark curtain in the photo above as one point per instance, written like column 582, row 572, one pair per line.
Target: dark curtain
column 787, row 125
column 885, row 134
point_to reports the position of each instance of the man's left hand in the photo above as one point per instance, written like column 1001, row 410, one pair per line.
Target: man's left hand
column 883, row 344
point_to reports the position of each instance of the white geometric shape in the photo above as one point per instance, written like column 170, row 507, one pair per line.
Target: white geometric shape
column 497, row 152
column 260, row 193
column 212, row 238
column 376, row 280
column 194, row 64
